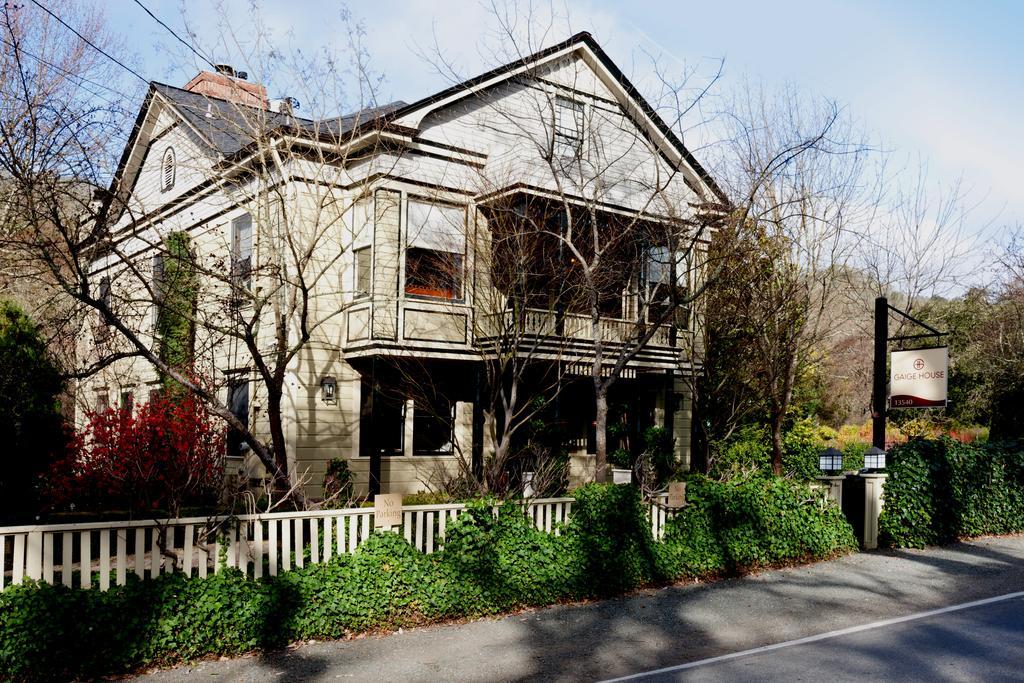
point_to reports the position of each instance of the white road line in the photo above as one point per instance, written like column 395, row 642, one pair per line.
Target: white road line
column 819, row 637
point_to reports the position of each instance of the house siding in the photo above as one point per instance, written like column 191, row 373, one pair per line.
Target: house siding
column 501, row 126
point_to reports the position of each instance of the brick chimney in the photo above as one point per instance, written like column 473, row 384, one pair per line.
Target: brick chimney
column 228, row 84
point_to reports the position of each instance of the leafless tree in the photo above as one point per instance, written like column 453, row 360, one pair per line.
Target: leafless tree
column 625, row 276
column 921, row 242
column 62, row 104
column 261, row 299
column 796, row 172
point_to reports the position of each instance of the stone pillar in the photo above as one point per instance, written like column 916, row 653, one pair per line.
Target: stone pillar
column 834, row 486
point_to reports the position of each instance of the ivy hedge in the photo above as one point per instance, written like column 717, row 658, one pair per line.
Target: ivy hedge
column 939, row 490
column 490, row 564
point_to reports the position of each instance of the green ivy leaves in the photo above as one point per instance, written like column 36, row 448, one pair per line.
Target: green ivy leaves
column 939, row 490
column 491, row 563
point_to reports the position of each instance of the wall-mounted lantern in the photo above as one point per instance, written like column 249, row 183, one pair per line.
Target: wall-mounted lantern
column 874, row 459
column 830, row 460
column 329, row 390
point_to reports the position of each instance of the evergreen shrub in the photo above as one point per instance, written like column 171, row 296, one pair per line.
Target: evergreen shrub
column 939, row 490
column 491, row 563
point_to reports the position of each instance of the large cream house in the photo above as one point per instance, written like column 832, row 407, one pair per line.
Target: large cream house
column 377, row 230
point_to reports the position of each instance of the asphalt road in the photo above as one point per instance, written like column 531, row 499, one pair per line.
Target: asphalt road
column 972, row 642
column 745, row 626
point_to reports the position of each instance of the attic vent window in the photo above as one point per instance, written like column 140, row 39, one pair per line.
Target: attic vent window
column 167, row 170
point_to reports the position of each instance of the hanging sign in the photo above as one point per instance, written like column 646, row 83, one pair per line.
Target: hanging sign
column 918, row 378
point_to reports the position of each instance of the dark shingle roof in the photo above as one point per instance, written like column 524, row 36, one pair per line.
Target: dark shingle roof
column 228, row 127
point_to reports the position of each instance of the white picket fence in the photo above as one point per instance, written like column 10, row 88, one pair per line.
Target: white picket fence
column 102, row 554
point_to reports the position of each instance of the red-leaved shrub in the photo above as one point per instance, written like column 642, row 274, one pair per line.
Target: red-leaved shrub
column 168, row 454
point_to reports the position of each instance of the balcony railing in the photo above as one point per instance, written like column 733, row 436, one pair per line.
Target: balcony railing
column 543, row 323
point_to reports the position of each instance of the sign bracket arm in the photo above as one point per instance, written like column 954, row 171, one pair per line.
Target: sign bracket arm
column 879, row 407
column 919, row 323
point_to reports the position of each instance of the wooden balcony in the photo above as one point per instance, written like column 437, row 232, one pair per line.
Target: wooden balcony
column 570, row 336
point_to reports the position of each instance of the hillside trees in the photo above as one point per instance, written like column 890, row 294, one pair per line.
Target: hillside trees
column 986, row 339
column 795, row 169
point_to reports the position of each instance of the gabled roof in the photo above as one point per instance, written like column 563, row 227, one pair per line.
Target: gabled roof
column 227, row 128
column 485, row 80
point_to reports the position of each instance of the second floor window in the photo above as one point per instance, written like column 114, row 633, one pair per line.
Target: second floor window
column 363, row 271
column 666, row 286
column 167, row 170
column 435, row 250
column 241, row 252
column 157, row 286
column 362, row 247
column 238, row 404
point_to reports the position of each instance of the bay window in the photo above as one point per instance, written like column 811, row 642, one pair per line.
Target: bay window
column 361, row 240
column 435, row 250
column 363, row 271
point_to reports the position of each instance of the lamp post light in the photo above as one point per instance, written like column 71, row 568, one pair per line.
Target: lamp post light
column 830, row 460
column 874, row 459
column 329, row 389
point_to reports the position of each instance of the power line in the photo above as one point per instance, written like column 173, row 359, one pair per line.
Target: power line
column 179, row 38
column 80, row 80
column 69, row 74
column 91, row 44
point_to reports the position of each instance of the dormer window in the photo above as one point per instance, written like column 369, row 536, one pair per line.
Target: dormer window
column 167, row 170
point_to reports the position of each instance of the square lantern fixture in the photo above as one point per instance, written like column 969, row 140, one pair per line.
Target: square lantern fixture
column 830, row 460
column 874, row 459
column 329, row 390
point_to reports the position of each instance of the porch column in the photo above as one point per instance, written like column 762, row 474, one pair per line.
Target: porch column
column 670, row 405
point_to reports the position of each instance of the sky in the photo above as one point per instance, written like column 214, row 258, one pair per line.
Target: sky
column 932, row 81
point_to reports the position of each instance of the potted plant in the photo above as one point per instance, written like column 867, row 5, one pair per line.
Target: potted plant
column 621, row 463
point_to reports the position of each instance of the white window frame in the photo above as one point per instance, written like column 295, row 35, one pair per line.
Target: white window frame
column 168, row 169
column 237, row 249
column 357, row 291
column 451, row 240
column 567, row 142
column 361, row 242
